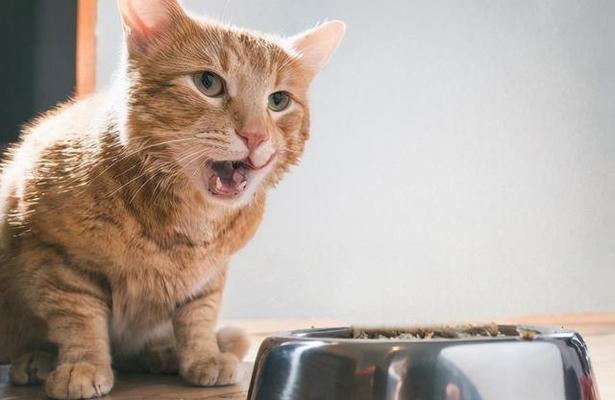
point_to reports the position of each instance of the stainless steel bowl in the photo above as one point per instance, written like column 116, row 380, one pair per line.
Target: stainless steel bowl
column 518, row 364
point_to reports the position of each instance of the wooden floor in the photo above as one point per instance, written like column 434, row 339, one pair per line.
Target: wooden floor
column 597, row 329
column 144, row 387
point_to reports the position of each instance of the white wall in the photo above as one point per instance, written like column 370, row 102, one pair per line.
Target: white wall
column 461, row 166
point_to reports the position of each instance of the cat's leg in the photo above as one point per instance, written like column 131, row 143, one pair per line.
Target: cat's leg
column 24, row 341
column 202, row 361
column 158, row 356
column 160, row 359
column 83, row 367
column 76, row 311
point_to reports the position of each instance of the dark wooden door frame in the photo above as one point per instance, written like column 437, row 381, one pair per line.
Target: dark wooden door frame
column 86, row 48
column 48, row 56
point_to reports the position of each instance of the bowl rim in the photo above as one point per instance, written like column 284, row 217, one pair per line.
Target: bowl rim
column 339, row 334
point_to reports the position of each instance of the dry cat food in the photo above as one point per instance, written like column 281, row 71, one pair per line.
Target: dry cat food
column 443, row 332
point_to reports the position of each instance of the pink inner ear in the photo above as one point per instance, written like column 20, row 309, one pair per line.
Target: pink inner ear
column 317, row 45
column 146, row 17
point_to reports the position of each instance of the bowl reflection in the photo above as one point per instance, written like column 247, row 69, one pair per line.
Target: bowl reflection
column 334, row 364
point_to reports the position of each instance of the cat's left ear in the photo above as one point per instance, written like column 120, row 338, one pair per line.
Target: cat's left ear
column 317, row 45
column 144, row 20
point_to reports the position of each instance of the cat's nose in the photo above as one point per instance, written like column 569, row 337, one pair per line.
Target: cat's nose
column 254, row 133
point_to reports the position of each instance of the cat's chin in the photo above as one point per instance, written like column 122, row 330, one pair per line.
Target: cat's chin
column 233, row 183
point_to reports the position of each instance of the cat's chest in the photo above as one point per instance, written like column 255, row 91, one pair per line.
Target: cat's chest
column 171, row 275
column 157, row 273
column 146, row 295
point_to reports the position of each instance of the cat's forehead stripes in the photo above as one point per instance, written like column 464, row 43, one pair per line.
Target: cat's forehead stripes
column 240, row 57
column 251, row 55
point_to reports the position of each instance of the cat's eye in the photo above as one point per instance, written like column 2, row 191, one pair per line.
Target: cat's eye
column 210, row 84
column 278, row 101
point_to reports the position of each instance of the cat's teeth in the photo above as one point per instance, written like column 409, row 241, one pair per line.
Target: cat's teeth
column 238, row 177
column 218, row 183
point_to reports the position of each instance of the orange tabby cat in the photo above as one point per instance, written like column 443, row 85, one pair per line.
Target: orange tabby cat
column 120, row 212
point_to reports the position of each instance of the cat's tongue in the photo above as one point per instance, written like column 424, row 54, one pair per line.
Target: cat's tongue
column 228, row 179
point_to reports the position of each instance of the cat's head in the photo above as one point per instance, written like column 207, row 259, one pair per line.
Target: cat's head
column 227, row 106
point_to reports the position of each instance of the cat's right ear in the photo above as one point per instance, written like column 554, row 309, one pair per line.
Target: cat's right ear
column 317, row 45
column 144, row 20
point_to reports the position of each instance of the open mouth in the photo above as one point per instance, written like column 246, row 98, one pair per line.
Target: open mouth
column 229, row 179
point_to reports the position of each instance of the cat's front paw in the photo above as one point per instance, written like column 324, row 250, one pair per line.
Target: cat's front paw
column 215, row 369
column 80, row 380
